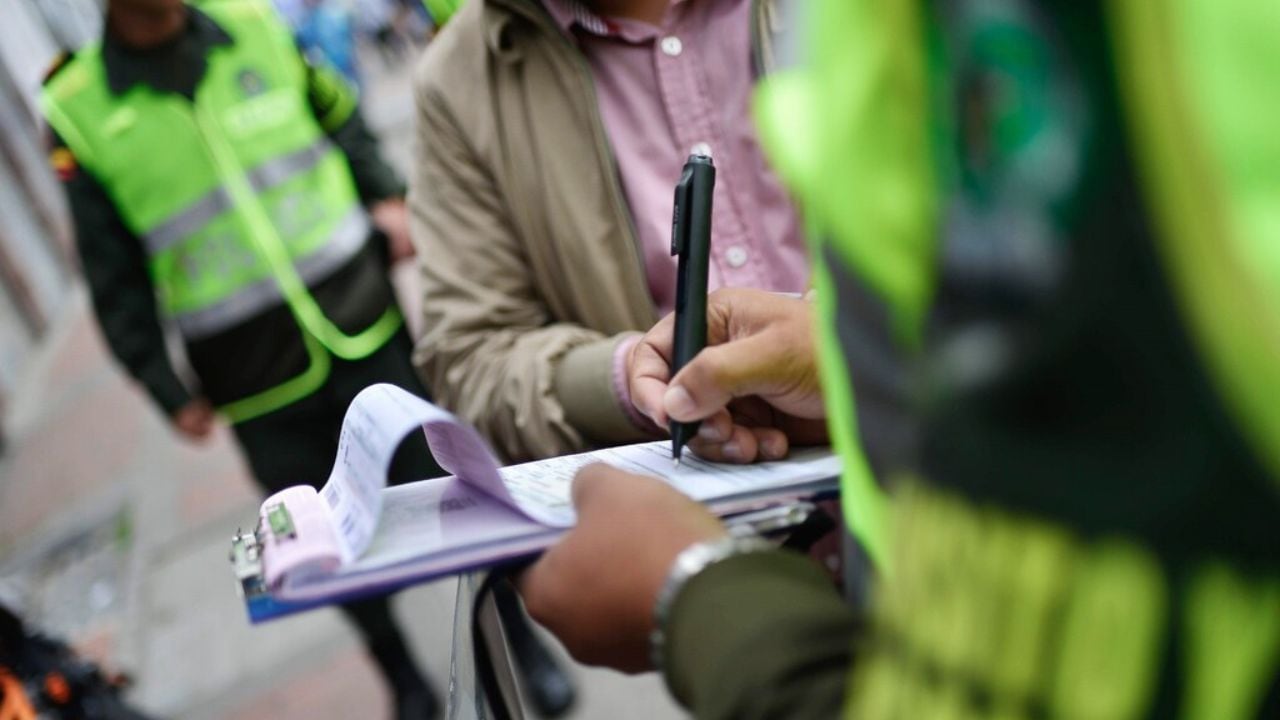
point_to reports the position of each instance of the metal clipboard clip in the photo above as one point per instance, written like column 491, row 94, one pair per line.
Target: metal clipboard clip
column 246, row 563
column 247, row 549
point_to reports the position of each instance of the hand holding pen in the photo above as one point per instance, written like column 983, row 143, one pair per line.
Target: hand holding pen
column 754, row 387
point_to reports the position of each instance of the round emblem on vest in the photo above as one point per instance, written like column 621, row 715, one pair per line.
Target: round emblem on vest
column 251, row 83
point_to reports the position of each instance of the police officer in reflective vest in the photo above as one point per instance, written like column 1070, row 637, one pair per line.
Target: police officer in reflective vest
column 1048, row 272
column 222, row 185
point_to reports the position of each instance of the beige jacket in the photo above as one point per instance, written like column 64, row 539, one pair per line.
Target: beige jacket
column 531, row 270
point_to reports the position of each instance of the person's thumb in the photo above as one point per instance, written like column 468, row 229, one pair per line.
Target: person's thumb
column 719, row 374
column 588, row 484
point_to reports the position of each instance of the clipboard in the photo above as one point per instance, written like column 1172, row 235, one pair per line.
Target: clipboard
column 261, row 606
column 356, row 537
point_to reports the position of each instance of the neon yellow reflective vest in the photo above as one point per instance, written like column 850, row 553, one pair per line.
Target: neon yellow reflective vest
column 442, row 10
column 1042, row 592
column 240, row 199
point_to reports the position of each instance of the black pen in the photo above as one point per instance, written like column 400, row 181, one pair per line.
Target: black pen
column 691, row 242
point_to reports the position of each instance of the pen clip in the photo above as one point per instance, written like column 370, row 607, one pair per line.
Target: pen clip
column 680, row 211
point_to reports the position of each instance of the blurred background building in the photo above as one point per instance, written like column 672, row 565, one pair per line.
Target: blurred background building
column 36, row 261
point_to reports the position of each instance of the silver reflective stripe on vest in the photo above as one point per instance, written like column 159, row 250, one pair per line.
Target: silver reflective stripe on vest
column 281, row 169
column 185, row 223
column 272, row 173
column 347, row 240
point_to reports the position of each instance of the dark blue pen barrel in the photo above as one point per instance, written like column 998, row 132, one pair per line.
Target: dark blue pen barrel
column 691, row 241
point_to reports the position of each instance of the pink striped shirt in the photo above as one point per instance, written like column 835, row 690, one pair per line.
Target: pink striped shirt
column 681, row 87
column 671, row 90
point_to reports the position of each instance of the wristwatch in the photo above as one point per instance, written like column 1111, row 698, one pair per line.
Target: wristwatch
column 691, row 561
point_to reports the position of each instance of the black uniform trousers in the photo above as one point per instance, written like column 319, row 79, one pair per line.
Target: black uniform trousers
column 297, row 444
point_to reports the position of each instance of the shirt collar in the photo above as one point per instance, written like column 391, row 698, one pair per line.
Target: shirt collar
column 126, row 67
column 570, row 13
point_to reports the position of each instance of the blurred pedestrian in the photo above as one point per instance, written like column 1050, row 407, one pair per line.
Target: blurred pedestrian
column 225, row 185
column 325, row 32
column 376, row 21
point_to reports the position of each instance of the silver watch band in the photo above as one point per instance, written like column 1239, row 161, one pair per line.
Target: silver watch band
column 691, row 561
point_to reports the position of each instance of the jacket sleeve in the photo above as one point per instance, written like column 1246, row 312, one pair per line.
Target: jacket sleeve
column 115, row 266
column 335, row 106
column 761, row 636
column 490, row 348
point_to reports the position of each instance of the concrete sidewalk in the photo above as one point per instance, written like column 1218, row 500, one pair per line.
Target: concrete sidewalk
column 118, row 532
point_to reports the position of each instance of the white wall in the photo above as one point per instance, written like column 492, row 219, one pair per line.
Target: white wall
column 33, row 216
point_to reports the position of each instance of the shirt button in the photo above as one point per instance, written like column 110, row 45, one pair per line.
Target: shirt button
column 701, row 149
column 672, row 46
column 736, row 255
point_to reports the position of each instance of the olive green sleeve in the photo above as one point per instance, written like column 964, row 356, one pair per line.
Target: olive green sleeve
column 335, row 107
column 760, row 635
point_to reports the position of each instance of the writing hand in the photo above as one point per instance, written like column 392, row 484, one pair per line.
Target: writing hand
column 755, row 386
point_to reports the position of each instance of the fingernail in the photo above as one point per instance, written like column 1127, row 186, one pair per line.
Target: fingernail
column 710, row 432
column 732, row 450
column 772, row 448
column 678, row 402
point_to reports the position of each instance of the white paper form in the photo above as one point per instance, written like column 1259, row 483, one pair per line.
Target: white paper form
column 707, row 481
column 542, row 489
column 440, row 518
column 484, row 514
column 429, row 529
column 379, row 418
